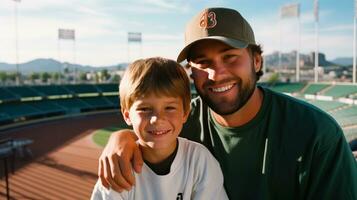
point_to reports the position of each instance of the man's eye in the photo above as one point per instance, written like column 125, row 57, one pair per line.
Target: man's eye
column 229, row 57
column 203, row 62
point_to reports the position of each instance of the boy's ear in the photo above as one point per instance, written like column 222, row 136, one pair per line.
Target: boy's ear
column 126, row 117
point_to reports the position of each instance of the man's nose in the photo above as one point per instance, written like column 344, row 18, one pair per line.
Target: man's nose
column 216, row 71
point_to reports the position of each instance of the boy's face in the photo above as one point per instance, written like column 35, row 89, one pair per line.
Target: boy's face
column 224, row 77
column 157, row 120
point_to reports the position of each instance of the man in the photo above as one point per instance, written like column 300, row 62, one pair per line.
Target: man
column 270, row 146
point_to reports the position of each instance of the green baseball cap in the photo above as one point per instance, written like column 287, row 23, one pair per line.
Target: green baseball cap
column 222, row 24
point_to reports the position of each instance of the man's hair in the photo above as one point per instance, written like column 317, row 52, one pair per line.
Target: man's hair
column 253, row 50
column 159, row 76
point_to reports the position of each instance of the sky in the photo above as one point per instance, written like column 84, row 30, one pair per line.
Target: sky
column 102, row 26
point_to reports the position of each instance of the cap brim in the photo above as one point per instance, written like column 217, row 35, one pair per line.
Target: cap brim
column 228, row 41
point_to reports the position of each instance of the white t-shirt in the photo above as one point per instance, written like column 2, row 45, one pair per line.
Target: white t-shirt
column 194, row 174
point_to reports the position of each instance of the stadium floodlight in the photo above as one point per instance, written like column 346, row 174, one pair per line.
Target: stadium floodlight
column 354, row 44
column 18, row 74
column 316, row 16
column 67, row 34
column 292, row 11
column 134, row 37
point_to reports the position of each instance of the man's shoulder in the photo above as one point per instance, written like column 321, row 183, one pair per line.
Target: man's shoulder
column 297, row 108
column 304, row 120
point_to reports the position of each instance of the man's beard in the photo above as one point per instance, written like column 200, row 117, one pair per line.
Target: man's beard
column 243, row 95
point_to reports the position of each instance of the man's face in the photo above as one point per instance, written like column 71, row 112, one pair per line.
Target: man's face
column 224, row 77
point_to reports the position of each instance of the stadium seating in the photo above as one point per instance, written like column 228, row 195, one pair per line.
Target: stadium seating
column 6, row 95
column 350, row 134
column 315, row 88
column 99, row 102
column 349, row 111
column 51, row 90
column 18, row 110
column 341, row 90
column 288, row 87
column 31, row 102
column 23, row 91
column 114, row 100
column 81, row 88
column 327, row 105
column 345, row 114
column 47, row 107
column 19, row 103
column 108, row 87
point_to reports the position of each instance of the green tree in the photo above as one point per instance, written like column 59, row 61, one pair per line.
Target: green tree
column 274, row 78
column 105, row 75
column 45, row 76
column 83, row 76
column 116, row 79
column 55, row 76
column 11, row 76
column 3, row 77
column 34, row 76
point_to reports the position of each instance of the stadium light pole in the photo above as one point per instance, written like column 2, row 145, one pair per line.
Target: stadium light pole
column 18, row 76
column 298, row 50
column 316, row 14
column 289, row 11
column 67, row 34
column 354, row 45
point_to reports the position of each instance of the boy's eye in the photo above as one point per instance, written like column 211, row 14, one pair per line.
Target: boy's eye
column 143, row 109
column 170, row 108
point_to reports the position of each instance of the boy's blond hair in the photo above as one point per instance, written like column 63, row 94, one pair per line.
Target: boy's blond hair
column 159, row 76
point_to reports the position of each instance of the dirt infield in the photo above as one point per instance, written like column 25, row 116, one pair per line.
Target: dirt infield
column 64, row 162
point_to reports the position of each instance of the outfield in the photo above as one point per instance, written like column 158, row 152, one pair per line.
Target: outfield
column 101, row 136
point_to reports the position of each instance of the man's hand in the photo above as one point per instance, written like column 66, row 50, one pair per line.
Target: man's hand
column 119, row 156
column 355, row 154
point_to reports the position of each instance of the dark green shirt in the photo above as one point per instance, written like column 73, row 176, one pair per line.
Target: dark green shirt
column 289, row 150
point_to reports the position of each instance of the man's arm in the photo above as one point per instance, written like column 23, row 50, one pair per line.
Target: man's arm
column 119, row 156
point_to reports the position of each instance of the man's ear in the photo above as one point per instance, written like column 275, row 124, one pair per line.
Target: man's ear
column 126, row 116
column 257, row 62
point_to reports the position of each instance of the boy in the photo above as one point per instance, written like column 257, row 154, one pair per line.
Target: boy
column 155, row 100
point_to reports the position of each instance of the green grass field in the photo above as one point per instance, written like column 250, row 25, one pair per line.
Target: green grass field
column 101, row 136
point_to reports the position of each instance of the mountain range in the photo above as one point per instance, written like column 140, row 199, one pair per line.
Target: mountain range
column 271, row 60
column 51, row 65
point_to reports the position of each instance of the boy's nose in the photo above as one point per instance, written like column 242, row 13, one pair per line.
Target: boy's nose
column 156, row 118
